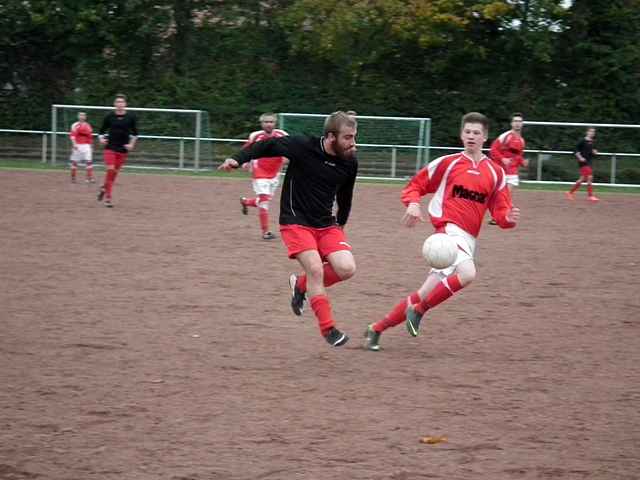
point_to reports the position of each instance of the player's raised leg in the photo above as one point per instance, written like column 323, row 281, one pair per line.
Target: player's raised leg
column 340, row 265
column 463, row 275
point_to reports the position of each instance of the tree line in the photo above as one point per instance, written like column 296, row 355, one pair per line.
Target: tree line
column 557, row 60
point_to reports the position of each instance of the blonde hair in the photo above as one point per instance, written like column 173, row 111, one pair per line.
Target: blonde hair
column 334, row 122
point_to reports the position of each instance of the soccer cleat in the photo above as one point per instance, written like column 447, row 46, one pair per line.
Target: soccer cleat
column 593, row 198
column 569, row 196
column 297, row 297
column 413, row 321
column 336, row 338
column 373, row 339
column 245, row 210
column 101, row 194
column 108, row 204
column 91, row 180
column 73, row 179
column 492, row 222
column 268, row 236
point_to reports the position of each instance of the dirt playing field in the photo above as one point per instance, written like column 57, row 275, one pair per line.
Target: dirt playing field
column 154, row 341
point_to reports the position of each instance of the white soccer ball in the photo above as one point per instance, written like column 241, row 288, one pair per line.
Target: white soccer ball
column 440, row 250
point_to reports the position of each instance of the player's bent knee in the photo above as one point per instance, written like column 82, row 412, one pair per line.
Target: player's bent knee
column 466, row 273
column 346, row 270
column 315, row 272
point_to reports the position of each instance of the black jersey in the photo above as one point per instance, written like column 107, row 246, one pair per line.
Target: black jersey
column 585, row 148
column 314, row 179
column 119, row 129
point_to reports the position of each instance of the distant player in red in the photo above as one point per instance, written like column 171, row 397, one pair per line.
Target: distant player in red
column 585, row 152
column 508, row 151
column 81, row 135
column 264, row 173
column 464, row 185
column 119, row 134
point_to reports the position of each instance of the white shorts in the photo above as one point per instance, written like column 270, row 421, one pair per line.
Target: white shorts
column 82, row 153
column 467, row 250
column 265, row 186
column 512, row 180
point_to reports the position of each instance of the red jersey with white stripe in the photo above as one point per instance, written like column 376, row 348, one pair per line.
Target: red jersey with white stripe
column 463, row 191
column 81, row 133
column 508, row 146
column 267, row 167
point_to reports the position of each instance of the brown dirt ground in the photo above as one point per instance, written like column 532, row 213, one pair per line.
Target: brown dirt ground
column 155, row 341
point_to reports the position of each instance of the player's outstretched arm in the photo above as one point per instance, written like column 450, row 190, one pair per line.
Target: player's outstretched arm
column 228, row 165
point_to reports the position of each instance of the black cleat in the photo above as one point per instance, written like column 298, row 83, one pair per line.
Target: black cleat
column 268, row 236
column 492, row 222
column 373, row 339
column 413, row 321
column 108, row 204
column 298, row 298
column 101, row 194
column 245, row 210
column 336, row 338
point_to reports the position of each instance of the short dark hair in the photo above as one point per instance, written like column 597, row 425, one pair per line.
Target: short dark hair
column 120, row 95
column 334, row 122
column 268, row 114
column 516, row 114
column 475, row 117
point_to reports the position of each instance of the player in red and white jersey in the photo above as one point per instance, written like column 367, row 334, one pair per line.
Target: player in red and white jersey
column 264, row 173
column 508, row 150
column 81, row 135
column 464, row 186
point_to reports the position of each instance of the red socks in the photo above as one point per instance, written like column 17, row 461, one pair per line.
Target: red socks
column 74, row 169
column 263, row 212
column 264, row 219
column 439, row 294
column 322, row 309
column 89, row 171
column 109, row 181
column 330, row 277
column 590, row 190
column 575, row 187
column 397, row 314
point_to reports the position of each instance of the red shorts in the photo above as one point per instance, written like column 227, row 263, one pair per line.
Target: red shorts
column 115, row 159
column 298, row 239
column 586, row 171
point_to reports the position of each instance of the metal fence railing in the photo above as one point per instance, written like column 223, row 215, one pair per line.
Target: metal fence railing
column 380, row 161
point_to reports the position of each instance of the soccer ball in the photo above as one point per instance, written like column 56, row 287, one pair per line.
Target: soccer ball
column 440, row 250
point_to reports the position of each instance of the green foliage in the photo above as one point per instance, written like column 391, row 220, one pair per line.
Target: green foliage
column 236, row 59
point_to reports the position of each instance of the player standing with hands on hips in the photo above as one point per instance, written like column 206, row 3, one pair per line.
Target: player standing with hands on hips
column 81, row 136
column 119, row 134
column 464, row 185
column 321, row 170
column 585, row 154
column 264, row 173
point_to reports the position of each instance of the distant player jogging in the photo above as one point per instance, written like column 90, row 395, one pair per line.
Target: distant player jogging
column 464, row 185
column 119, row 134
column 585, row 153
column 321, row 170
column 81, row 136
column 508, row 151
column 264, row 174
